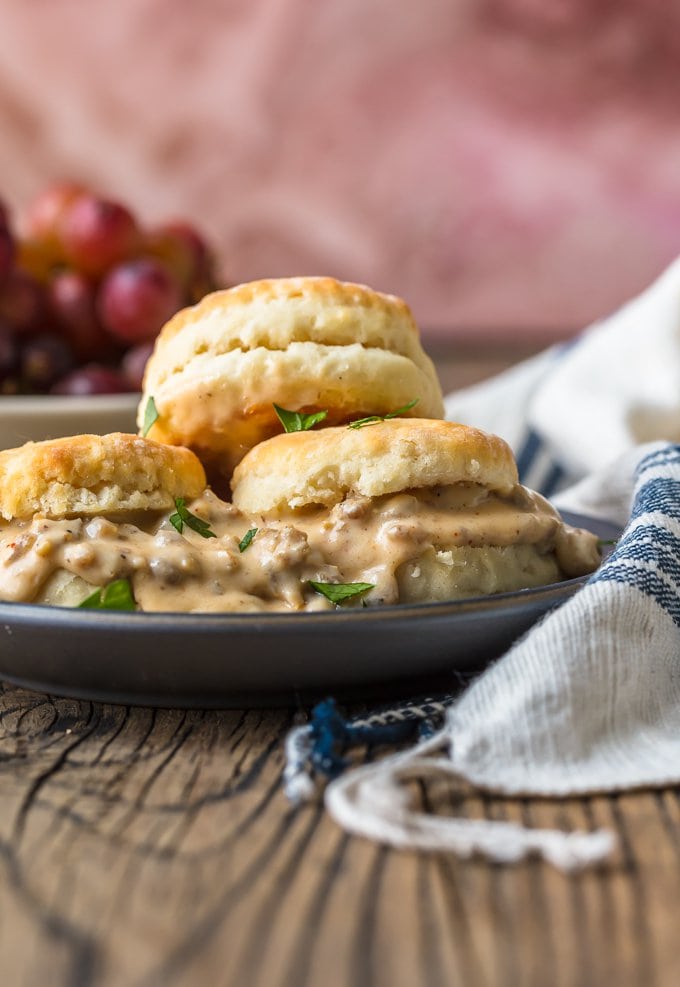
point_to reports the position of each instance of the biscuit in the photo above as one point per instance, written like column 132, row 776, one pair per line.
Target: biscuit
column 301, row 469
column 307, row 344
column 95, row 474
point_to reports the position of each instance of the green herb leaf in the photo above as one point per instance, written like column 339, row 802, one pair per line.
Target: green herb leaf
column 183, row 516
column 339, row 592
column 361, row 422
column 404, row 407
column 116, row 596
column 295, row 421
column 151, row 416
column 247, row 539
column 374, row 419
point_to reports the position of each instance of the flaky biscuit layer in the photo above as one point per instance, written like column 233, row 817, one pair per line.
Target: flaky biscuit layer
column 301, row 469
column 306, row 344
column 95, row 474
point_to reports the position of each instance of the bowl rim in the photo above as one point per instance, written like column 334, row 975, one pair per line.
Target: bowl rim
column 66, row 403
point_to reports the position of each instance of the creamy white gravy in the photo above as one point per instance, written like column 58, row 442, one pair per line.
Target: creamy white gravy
column 359, row 540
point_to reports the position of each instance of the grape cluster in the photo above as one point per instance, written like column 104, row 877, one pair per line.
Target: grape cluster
column 84, row 291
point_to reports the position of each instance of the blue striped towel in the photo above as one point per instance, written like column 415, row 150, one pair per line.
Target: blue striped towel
column 588, row 701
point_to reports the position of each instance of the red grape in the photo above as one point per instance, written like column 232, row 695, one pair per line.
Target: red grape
column 72, row 301
column 34, row 259
column 201, row 277
column 84, row 282
column 137, row 298
column 173, row 251
column 97, row 233
column 22, row 304
column 45, row 214
column 91, row 379
column 134, row 363
column 45, row 359
column 186, row 254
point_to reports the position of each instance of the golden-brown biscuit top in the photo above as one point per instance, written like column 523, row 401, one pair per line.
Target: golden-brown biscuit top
column 301, row 469
column 273, row 313
column 95, row 474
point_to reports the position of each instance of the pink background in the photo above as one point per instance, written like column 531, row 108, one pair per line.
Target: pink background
column 508, row 166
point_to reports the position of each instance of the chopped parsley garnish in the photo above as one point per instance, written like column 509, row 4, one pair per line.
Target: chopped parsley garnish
column 116, row 596
column 295, row 421
column 339, row 592
column 374, row 419
column 247, row 539
column 151, row 416
column 183, row 516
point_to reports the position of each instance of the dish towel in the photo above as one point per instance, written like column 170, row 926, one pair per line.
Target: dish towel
column 589, row 700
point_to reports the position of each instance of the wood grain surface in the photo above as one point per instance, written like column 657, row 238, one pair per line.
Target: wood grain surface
column 147, row 847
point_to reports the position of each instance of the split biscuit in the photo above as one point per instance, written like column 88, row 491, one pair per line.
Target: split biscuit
column 301, row 469
column 95, row 474
column 306, row 344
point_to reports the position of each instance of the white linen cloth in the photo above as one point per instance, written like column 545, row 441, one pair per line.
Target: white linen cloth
column 589, row 700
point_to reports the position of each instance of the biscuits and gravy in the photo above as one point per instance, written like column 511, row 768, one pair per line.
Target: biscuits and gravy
column 371, row 508
column 306, row 344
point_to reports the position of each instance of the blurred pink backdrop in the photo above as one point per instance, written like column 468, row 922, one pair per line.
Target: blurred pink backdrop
column 508, row 166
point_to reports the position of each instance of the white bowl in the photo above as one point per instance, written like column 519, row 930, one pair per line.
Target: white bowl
column 50, row 417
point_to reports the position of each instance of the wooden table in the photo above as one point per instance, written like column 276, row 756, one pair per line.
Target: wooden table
column 145, row 847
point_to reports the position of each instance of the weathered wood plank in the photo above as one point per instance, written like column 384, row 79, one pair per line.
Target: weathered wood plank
column 142, row 848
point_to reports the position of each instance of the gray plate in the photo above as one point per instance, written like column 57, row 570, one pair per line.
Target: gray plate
column 223, row 660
